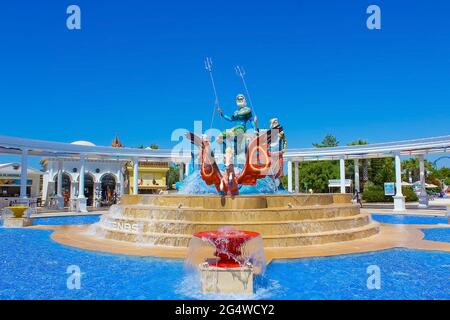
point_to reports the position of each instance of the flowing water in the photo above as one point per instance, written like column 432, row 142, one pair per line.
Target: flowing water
column 194, row 184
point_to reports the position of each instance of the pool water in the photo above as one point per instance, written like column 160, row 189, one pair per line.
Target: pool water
column 51, row 221
column 34, row 267
column 409, row 219
column 438, row 234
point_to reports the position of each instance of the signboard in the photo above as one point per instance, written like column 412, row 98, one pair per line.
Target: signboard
column 14, row 182
column 389, row 189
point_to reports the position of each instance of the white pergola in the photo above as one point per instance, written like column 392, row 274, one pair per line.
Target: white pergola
column 417, row 147
column 40, row 148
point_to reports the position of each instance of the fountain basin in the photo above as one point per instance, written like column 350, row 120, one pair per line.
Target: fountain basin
column 228, row 245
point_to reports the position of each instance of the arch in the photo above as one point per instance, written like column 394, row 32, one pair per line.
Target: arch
column 64, row 172
column 108, row 173
column 108, row 185
column 89, row 187
column 66, row 186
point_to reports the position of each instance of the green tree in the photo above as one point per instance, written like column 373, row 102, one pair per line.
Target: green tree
column 328, row 141
column 172, row 176
column 154, row 146
column 315, row 175
column 411, row 167
column 358, row 142
column 441, row 175
column 381, row 170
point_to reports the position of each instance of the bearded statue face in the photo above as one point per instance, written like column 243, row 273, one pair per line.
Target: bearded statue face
column 240, row 101
column 273, row 122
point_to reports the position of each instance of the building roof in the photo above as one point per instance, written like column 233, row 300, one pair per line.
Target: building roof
column 83, row 143
column 14, row 168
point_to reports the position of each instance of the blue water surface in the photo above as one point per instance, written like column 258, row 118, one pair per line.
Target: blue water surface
column 437, row 234
column 82, row 219
column 34, row 267
column 408, row 219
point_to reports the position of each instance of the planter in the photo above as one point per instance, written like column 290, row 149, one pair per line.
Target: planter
column 18, row 211
column 11, row 222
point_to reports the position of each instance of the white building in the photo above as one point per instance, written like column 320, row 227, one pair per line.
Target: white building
column 103, row 180
column 10, row 177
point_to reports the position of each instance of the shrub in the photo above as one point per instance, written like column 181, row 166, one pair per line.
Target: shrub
column 410, row 195
column 376, row 194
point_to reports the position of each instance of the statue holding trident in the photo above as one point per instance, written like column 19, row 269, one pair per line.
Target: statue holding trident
column 259, row 161
column 242, row 116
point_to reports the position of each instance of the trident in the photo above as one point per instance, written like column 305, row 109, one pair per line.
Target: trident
column 208, row 67
column 241, row 73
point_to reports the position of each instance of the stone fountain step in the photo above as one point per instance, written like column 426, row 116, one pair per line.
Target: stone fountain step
column 274, row 240
column 241, row 202
column 225, row 215
column 282, row 220
column 264, row 227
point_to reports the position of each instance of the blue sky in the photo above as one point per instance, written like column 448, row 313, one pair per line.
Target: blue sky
column 136, row 68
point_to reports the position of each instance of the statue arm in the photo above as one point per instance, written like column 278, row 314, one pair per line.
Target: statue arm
column 253, row 124
column 228, row 118
column 283, row 138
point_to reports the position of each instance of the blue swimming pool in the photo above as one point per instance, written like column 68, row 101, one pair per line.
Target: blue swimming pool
column 438, row 234
column 34, row 267
column 52, row 221
column 408, row 219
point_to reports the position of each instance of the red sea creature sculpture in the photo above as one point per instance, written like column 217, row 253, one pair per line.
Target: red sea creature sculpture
column 260, row 162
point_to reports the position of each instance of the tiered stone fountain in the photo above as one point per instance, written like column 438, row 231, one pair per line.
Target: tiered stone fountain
column 282, row 220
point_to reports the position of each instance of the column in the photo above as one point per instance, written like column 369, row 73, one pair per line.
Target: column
column 399, row 199
column 423, row 197
column 181, row 168
column 24, row 176
column 187, row 165
column 342, row 174
column 289, row 168
column 357, row 187
column 136, row 176
column 81, row 201
column 60, row 169
column 59, row 194
column 119, row 184
column 297, row 189
column 50, row 185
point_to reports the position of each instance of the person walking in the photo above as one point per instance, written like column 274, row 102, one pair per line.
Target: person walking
column 357, row 198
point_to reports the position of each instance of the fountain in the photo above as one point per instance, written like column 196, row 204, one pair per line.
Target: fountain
column 17, row 218
column 237, row 196
column 238, row 255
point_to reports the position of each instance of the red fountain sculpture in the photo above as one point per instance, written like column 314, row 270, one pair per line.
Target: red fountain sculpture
column 259, row 163
column 228, row 244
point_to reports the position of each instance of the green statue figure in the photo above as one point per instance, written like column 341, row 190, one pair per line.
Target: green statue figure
column 242, row 116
